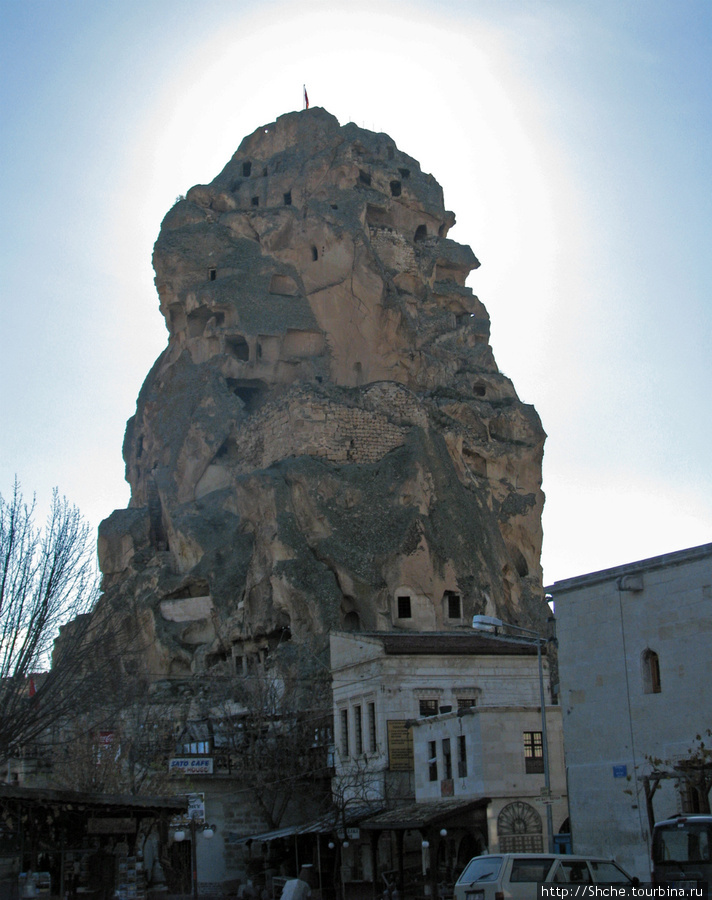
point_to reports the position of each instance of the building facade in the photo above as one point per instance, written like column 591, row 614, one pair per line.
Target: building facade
column 442, row 734
column 634, row 655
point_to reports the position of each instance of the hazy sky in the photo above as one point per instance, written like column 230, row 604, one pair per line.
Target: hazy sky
column 572, row 139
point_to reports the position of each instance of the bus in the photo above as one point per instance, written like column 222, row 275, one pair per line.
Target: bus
column 682, row 852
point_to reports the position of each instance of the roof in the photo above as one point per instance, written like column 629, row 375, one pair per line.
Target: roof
column 323, row 825
column 98, row 801
column 464, row 643
column 418, row 815
column 678, row 558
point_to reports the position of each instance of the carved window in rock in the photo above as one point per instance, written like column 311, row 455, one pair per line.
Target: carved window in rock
column 404, row 606
column 352, row 622
column 395, row 189
column 288, row 198
column 237, row 346
column 421, row 232
column 651, row 672
column 519, row 829
column 533, row 752
column 452, row 604
column 212, row 274
column 246, row 169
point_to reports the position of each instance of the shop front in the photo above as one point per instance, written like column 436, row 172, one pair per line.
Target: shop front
column 82, row 846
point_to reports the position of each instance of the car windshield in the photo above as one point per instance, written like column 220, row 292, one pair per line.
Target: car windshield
column 682, row 842
column 481, row 868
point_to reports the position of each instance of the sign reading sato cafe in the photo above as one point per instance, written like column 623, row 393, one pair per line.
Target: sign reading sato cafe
column 186, row 765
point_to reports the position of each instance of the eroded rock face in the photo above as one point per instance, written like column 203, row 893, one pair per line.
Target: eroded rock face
column 326, row 441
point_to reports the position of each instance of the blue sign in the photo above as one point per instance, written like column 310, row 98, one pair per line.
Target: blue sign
column 620, row 771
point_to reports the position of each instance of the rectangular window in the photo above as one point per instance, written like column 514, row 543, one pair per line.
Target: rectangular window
column 432, row 761
column 345, row 733
column 404, row 610
column 454, row 605
column 358, row 731
column 533, row 752
column 466, row 702
column 428, row 707
column 372, row 736
column 447, row 759
column 197, row 748
column 462, row 756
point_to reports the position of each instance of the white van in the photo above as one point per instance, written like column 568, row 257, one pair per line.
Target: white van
column 682, row 851
column 515, row 876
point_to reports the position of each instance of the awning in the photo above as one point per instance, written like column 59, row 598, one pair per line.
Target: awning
column 420, row 815
column 324, row 825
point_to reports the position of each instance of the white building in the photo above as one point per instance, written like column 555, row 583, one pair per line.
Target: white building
column 635, row 661
column 443, row 732
column 495, row 752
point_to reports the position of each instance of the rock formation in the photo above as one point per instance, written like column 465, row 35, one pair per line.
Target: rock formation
column 326, row 442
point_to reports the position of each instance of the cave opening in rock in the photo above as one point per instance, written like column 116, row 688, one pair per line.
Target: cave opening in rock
column 236, row 345
column 250, row 391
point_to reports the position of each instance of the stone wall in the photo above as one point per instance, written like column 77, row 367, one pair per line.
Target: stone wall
column 615, row 719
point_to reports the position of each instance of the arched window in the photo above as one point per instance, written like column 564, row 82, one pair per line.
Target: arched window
column 651, row 672
column 519, row 829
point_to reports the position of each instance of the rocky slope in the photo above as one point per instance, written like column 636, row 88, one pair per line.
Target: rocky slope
column 326, row 441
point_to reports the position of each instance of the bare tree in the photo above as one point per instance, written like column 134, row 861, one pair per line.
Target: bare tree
column 127, row 755
column 691, row 773
column 47, row 577
column 275, row 726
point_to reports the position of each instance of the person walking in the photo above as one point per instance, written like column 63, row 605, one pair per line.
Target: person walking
column 299, row 888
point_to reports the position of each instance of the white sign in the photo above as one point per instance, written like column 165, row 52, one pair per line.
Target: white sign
column 191, row 766
column 196, row 812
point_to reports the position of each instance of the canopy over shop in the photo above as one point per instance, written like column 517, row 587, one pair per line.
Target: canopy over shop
column 351, row 860
column 433, row 840
column 89, row 843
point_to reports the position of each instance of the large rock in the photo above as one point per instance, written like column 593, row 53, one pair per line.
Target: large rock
column 327, row 429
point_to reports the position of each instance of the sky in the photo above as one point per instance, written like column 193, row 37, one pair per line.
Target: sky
column 572, row 138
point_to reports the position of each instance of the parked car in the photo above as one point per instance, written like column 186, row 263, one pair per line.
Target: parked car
column 682, row 851
column 515, row 876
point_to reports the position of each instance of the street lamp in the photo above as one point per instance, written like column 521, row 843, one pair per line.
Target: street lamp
column 208, row 832
column 491, row 624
